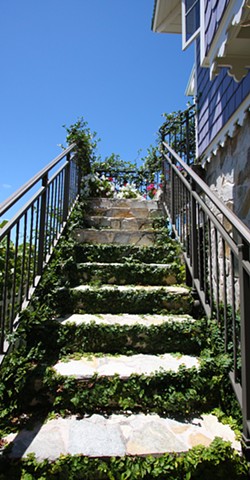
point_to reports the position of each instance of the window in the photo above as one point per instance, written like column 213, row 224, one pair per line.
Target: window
column 190, row 21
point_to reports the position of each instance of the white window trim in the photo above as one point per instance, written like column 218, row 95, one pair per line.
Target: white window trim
column 202, row 32
column 185, row 44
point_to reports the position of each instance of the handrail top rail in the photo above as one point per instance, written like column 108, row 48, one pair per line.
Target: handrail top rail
column 177, row 117
column 9, row 202
column 242, row 229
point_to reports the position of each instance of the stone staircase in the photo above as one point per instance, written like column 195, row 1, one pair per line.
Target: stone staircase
column 120, row 221
column 124, row 382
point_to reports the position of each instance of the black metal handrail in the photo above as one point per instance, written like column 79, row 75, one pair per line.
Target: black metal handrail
column 216, row 247
column 27, row 240
column 179, row 132
column 121, row 177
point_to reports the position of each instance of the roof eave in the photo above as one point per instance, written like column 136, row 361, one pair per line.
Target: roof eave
column 167, row 16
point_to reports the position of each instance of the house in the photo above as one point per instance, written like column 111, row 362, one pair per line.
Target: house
column 220, row 84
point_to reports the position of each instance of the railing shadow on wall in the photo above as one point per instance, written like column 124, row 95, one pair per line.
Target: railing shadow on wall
column 27, row 240
column 216, row 247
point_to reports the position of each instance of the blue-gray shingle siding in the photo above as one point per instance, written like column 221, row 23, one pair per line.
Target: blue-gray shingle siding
column 217, row 101
column 214, row 11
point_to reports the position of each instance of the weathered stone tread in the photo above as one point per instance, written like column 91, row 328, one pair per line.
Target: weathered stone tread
column 124, row 319
column 123, row 365
column 118, row 435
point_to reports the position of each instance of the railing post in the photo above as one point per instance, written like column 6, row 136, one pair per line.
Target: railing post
column 194, row 229
column 187, row 137
column 79, row 173
column 163, row 168
column 42, row 226
column 172, row 193
column 66, row 189
column 244, row 279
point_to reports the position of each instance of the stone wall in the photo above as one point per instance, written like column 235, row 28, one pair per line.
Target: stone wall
column 228, row 173
column 228, row 176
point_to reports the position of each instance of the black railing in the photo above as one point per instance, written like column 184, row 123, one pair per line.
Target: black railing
column 123, row 177
column 179, row 132
column 216, row 248
column 28, row 239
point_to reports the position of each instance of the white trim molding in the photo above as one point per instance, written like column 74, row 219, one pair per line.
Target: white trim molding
column 228, row 130
column 231, row 44
column 186, row 42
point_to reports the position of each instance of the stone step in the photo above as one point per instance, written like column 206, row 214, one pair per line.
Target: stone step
column 166, row 253
column 131, row 299
column 119, row 223
column 124, row 319
column 117, row 435
column 125, row 212
column 132, row 333
column 122, row 273
column 109, row 236
column 124, row 203
column 175, row 384
column 123, row 365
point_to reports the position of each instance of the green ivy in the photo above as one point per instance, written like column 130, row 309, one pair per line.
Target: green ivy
column 120, row 253
column 184, row 392
column 86, row 143
column 130, row 273
column 94, row 300
column 187, row 337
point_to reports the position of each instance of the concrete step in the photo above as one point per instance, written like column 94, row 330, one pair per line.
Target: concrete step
column 109, row 236
column 122, row 273
column 131, row 299
column 117, row 435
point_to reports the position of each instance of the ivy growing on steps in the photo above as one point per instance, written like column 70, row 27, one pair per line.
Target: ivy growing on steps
column 30, row 389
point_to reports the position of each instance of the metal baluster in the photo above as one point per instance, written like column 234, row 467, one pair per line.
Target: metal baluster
column 66, row 189
column 35, row 264
column 13, row 300
column 224, row 293
column 217, row 275
column 42, row 225
column 23, row 272
column 30, row 252
column 234, row 327
column 5, row 293
column 244, row 279
column 210, row 253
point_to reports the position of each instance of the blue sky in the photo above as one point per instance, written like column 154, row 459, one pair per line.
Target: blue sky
column 63, row 59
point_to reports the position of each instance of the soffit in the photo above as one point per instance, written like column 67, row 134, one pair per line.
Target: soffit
column 167, row 16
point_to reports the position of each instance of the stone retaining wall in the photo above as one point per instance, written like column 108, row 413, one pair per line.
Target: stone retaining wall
column 228, row 173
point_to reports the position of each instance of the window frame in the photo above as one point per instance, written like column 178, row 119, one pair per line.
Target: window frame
column 185, row 42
